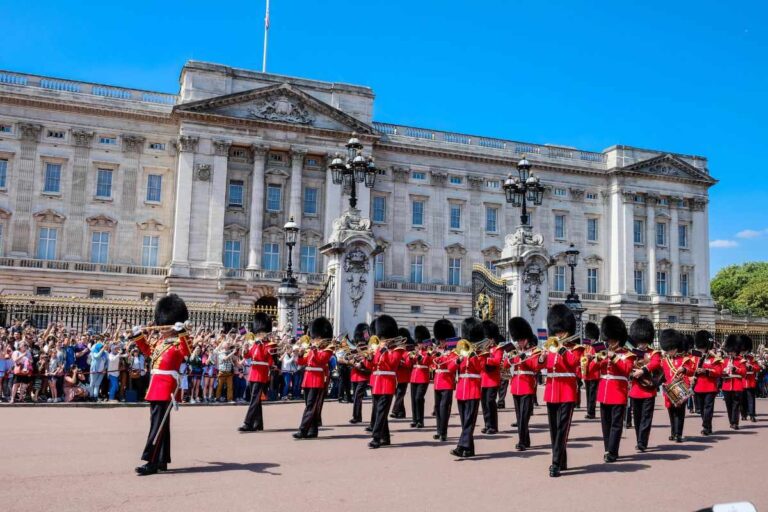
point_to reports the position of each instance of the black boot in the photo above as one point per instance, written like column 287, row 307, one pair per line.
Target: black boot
column 147, row 469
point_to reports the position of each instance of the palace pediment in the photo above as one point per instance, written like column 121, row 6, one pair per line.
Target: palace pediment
column 668, row 166
column 281, row 103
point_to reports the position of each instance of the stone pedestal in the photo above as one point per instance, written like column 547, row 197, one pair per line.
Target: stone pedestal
column 350, row 251
column 288, row 308
column 523, row 265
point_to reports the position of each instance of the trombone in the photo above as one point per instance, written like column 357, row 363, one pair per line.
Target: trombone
column 464, row 348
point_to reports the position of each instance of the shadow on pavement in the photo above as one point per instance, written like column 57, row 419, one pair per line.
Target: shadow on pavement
column 505, row 455
column 216, row 467
column 655, row 456
column 607, row 468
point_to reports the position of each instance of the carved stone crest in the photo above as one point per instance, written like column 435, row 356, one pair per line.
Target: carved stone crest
column 356, row 265
column 30, row 131
column 133, row 143
column 82, row 137
column 524, row 236
column 532, row 281
column 204, row 172
column 283, row 109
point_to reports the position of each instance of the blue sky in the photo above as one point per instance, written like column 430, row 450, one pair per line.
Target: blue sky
column 681, row 76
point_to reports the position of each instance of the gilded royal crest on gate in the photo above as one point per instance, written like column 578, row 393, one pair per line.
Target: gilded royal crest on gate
column 484, row 306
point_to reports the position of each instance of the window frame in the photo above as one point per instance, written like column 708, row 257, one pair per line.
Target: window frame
column 641, row 231
column 564, row 232
column 48, row 166
column 375, row 218
column 148, row 250
column 314, row 202
column 451, row 208
column 596, row 222
column 307, row 257
column 104, row 171
column 663, row 233
column 230, row 185
column 422, row 205
column 564, row 277
column 99, row 249
column 454, row 271
column 150, row 189
column 48, row 240
column 279, row 189
column 593, row 280
column 495, row 210
column 275, row 255
column 233, row 247
column 417, row 269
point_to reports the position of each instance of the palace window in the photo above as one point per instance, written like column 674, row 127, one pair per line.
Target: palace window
column 559, row 227
column 455, row 216
column 104, row 183
column 46, row 243
column 232, row 253
column 157, row 146
column 661, row 283
column 454, row 311
column 378, row 265
column 560, row 192
column 559, row 281
column 417, row 269
column 661, row 234
column 591, row 195
column 639, row 199
column 154, row 187
column 43, row 290
column 379, row 209
column 640, row 282
column 592, row 282
column 147, row 296
column 454, row 271
column 639, row 231
column 308, row 259
column 417, row 175
column 271, row 257
column 6, row 128
column 3, row 173
column 456, row 180
column 684, row 284
column 95, row 294
column 491, row 219
column 417, row 210
column 592, row 230
column 52, row 183
column 99, row 246
column 310, row 201
column 416, row 309
column 682, row 235
column 235, row 193
column 274, row 198
column 55, row 134
column 378, row 308
column 105, row 139
column 149, row 249
column 493, row 184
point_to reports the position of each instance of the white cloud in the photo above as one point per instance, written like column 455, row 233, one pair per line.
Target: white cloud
column 750, row 233
column 723, row 244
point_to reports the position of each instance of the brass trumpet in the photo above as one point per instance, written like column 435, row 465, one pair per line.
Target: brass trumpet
column 553, row 343
column 465, row 348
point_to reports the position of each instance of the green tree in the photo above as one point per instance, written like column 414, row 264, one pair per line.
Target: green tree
column 742, row 288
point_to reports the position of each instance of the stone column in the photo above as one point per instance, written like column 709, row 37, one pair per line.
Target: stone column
column 74, row 229
column 217, row 204
column 401, row 216
column 22, row 234
column 628, row 226
column 650, row 243
column 187, row 145
column 616, row 248
column 438, row 213
column 674, row 248
column 295, row 206
column 700, row 242
column 133, row 146
column 288, row 308
column 257, row 207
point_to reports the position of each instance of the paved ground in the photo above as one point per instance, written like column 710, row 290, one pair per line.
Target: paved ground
column 58, row 458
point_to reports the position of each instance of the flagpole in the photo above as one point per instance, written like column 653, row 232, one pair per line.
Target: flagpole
column 266, row 34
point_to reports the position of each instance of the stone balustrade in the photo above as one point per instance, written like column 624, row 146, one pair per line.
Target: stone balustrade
column 422, row 287
column 79, row 266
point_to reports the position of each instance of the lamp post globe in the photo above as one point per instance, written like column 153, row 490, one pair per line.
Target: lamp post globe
column 291, row 230
column 358, row 168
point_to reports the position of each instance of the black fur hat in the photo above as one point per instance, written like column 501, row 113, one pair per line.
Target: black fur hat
column 745, row 343
column 614, row 328
column 642, row 331
column 360, row 331
column 560, row 319
column 443, row 329
column 170, row 309
column 472, row 329
column 261, row 323
column 421, row 333
column 703, row 340
column 386, row 327
column 491, row 331
column 520, row 329
column 688, row 342
column 405, row 333
column 321, row 328
column 669, row 339
column 731, row 343
column 591, row 331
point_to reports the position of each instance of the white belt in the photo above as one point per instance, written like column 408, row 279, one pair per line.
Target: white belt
column 260, row 363
column 560, row 375
column 442, row 371
column 523, row 373
column 469, row 376
column 313, row 369
column 382, row 372
column 750, row 373
column 731, row 376
column 420, row 366
column 613, row 377
column 172, row 373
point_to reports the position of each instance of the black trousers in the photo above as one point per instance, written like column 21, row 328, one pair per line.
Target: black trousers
column 677, row 419
column 254, row 417
column 313, row 399
column 523, row 413
column 629, row 412
column 642, row 413
column 579, row 384
column 443, row 404
column 559, row 416
column 732, row 405
column 705, row 403
column 159, row 453
column 398, row 407
column 748, row 402
column 357, row 400
column 418, row 392
column 345, row 383
column 503, row 387
column 381, row 403
column 324, row 393
column 490, row 408
column 591, row 388
column 612, row 421
column 468, row 410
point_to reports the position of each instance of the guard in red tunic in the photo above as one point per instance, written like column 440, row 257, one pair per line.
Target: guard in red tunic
column 643, row 386
column 403, row 375
column 260, row 354
column 167, row 355
column 750, row 379
column 469, row 365
column 419, row 361
column 523, row 367
column 590, row 377
column 360, row 373
column 386, row 362
column 444, row 365
column 315, row 361
column 709, row 368
column 734, row 371
column 676, row 365
column 560, row 390
column 490, row 379
column 615, row 366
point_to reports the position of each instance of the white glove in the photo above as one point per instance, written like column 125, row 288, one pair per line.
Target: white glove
column 136, row 330
column 179, row 326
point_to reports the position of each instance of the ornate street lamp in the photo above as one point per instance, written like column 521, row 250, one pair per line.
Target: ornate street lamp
column 573, row 301
column 523, row 189
column 291, row 235
column 356, row 169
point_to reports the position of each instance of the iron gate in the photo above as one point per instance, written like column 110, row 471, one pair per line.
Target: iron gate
column 490, row 300
column 317, row 305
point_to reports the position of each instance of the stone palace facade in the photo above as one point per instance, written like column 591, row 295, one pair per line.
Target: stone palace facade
column 123, row 193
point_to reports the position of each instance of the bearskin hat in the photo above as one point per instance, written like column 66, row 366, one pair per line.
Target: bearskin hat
column 560, row 319
column 669, row 339
column 443, row 329
column 491, row 331
column 472, row 329
column 613, row 328
column 170, row 309
column 745, row 343
column 421, row 334
column 361, row 330
column 385, row 327
column 642, row 331
column 688, row 342
column 591, row 331
column 261, row 323
column 405, row 333
column 703, row 340
column 321, row 328
column 520, row 329
column 731, row 343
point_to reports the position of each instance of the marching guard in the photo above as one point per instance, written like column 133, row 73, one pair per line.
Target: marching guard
column 385, row 364
column 445, row 377
column 261, row 357
column 523, row 368
column 315, row 361
column 490, row 378
column 750, row 379
column 469, row 364
column 590, row 374
column 709, row 369
column 419, row 360
column 734, row 371
column 360, row 373
column 403, row 375
column 677, row 368
column 644, row 386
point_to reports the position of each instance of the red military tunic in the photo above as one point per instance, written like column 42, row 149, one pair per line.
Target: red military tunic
column 404, row 369
column 386, row 362
column 652, row 364
column 468, row 387
column 445, row 372
column 614, row 377
column 315, row 364
column 671, row 365
column 420, row 366
column 166, row 355
column 524, row 368
column 750, row 377
column 360, row 373
column 490, row 375
column 733, row 374
column 707, row 382
column 261, row 360
column 561, row 376
column 593, row 370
